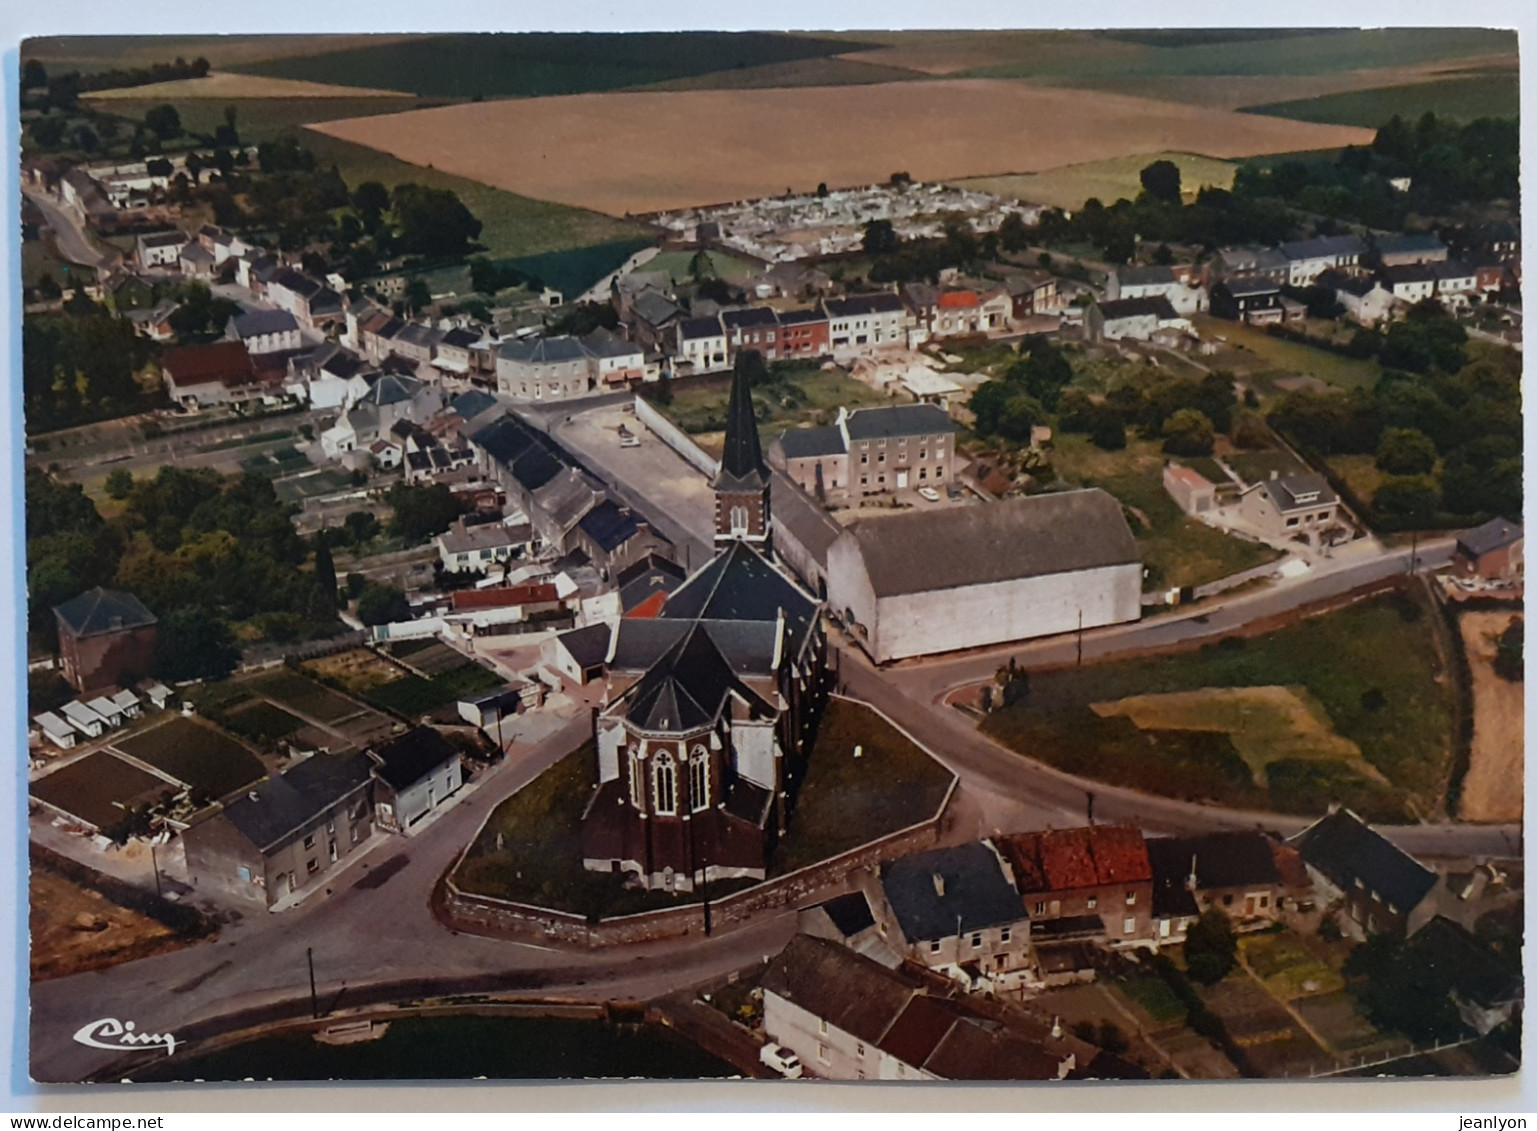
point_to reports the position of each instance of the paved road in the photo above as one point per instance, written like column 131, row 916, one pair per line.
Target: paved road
column 73, row 242
column 371, row 945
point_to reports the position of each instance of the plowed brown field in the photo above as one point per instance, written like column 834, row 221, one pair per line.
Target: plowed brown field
column 643, row 152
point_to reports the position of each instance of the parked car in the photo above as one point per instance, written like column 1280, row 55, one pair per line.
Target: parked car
column 929, row 493
column 628, row 439
column 781, row 1060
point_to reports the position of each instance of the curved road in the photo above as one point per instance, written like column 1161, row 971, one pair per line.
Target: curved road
column 73, row 242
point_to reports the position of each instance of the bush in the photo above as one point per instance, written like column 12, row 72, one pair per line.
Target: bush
column 1188, row 432
column 382, row 604
column 1406, row 451
column 1510, row 652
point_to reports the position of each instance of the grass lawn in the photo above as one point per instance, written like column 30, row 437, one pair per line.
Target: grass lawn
column 1493, row 93
column 1359, row 472
column 262, row 723
column 807, row 395
column 305, row 696
column 1258, row 352
column 198, row 754
column 1152, row 993
column 1176, row 549
column 41, row 257
column 413, row 696
column 1384, row 645
column 1286, row 965
column 845, row 801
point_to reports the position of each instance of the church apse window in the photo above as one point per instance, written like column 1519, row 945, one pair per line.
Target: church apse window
column 699, row 779
column 664, row 775
column 637, row 796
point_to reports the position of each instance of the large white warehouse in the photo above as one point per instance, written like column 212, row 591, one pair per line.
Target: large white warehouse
column 930, row 581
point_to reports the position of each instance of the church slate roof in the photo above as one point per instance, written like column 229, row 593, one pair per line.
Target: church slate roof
column 740, row 585
column 687, row 688
column 101, row 610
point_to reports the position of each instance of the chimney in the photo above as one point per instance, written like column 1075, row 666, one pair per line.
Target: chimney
column 1056, row 1027
column 939, row 885
column 1275, row 473
column 1190, row 881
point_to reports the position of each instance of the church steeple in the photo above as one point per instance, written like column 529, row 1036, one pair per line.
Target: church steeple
column 742, row 484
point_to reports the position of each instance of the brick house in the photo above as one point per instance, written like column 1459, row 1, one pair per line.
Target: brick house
column 755, row 328
column 1495, row 550
column 1380, row 888
column 105, row 637
column 1093, row 883
column 1239, row 873
column 803, row 333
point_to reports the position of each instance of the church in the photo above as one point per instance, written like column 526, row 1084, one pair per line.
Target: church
column 712, row 703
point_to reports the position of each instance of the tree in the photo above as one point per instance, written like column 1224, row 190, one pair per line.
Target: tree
column 1250, row 431
column 1160, row 181
column 1412, row 498
column 1107, row 430
column 899, row 180
column 822, row 189
column 193, row 643
column 382, row 604
column 421, row 512
column 86, row 140
column 47, row 131
column 1405, row 451
column 119, row 483
column 1012, row 234
column 417, row 295
column 750, row 366
column 1163, row 255
column 880, row 237
column 1188, row 433
column 1211, row 951
column 33, row 75
column 432, row 221
column 164, row 121
column 325, row 571
column 1510, row 652
column 360, row 527
column 370, row 199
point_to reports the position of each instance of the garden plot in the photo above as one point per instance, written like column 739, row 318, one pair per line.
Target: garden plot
column 195, row 752
column 1265, row 724
column 100, row 789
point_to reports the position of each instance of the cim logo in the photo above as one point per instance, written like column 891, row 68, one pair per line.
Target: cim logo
column 110, row 1033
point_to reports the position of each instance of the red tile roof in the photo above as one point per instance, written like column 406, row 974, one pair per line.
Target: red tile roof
column 1065, row 859
column 648, row 608
column 503, row 596
column 959, row 298
column 1188, row 476
column 227, row 362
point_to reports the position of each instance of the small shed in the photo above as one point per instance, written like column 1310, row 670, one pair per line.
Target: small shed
column 83, row 719
column 55, row 729
column 128, row 703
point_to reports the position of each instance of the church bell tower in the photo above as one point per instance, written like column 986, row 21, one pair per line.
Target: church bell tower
column 742, row 484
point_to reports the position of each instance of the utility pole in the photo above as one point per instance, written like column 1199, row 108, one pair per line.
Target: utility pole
column 1414, row 551
column 155, row 864
column 1089, row 794
column 309, row 955
column 1080, row 638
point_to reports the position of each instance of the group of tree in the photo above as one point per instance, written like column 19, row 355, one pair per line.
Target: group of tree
column 1448, row 439
column 205, row 552
column 82, row 365
column 1009, row 407
column 421, row 512
column 1186, row 414
column 896, row 260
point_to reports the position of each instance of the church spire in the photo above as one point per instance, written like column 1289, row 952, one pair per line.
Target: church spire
column 742, row 484
column 743, row 458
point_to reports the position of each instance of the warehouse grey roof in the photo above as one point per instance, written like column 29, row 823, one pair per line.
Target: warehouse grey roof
column 921, row 551
column 255, row 322
column 1156, row 305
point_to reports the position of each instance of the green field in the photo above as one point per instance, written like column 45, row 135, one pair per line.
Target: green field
column 261, row 119
column 1373, row 666
column 676, row 264
column 1489, row 94
column 305, row 696
column 530, row 65
column 207, row 760
column 1319, row 53
column 1109, row 180
column 1176, row 549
